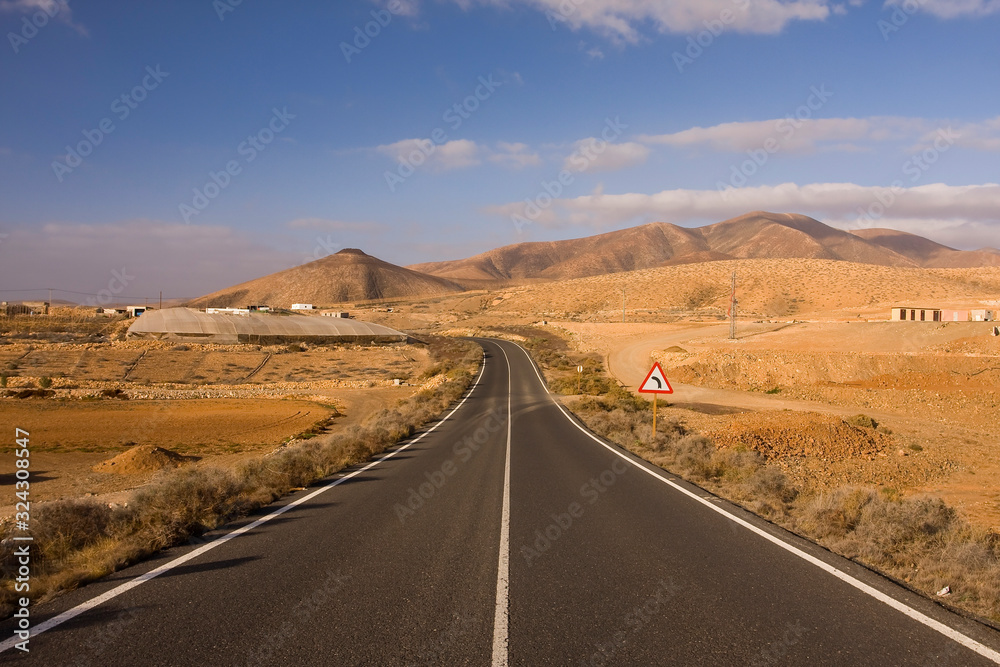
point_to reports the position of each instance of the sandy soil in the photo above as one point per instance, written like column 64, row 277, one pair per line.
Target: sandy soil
column 156, row 363
column 933, row 386
column 216, row 404
column 788, row 288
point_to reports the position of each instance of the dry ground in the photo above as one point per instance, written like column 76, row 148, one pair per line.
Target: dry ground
column 780, row 289
column 932, row 385
column 789, row 288
column 159, row 363
column 813, row 333
column 216, row 404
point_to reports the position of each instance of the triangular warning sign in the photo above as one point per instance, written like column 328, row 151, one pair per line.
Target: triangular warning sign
column 656, row 382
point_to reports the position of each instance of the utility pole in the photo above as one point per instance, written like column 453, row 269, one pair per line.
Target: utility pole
column 733, row 303
column 161, row 300
column 623, row 304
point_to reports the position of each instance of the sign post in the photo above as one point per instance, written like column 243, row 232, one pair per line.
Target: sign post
column 579, row 378
column 655, row 383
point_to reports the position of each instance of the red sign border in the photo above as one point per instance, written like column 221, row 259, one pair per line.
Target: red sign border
column 668, row 390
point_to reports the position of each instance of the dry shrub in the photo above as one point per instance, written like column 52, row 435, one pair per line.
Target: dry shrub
column 863, row 421
column 767, row 492
column 693, row 455
column 187, row 502
column 866, row 524
column 81, row 541
column 835, row 514
column 921, row 541
column 262, row 483
column 632, row 428
column 299, row 466
column 63, row 527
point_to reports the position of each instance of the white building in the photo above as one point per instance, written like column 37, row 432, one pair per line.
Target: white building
column 303, row 306
column 913, row 314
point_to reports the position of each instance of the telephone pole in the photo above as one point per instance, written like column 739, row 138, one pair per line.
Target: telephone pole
column 623, row 304
column 733, row 304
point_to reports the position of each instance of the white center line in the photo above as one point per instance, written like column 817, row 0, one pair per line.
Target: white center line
column 500, row 617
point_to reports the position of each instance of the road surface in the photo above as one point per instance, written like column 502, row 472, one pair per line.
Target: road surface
column 504, row 535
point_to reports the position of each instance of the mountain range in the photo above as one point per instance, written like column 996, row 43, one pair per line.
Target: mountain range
column 758, row 235
column 351, row 275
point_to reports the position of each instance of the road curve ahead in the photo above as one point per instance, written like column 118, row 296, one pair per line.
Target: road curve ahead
column 505, row 534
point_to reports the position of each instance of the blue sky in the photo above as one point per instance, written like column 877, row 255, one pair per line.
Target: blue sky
column 189, row 146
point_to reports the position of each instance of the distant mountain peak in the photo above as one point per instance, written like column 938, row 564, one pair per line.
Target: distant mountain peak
column 347, row 276
column 754, row 235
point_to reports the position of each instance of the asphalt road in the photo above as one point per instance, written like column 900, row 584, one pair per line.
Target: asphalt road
column 505, row 535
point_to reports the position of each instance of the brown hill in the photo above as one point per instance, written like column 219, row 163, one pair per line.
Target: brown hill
column 347, row 276
column 782, row 288
column 927, row 253
column 613, row 252
column 758, row 235
column 762, row 235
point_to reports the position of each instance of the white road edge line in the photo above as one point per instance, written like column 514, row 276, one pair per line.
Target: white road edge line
column 945, row 630
column 166, row 567
column 502, row 612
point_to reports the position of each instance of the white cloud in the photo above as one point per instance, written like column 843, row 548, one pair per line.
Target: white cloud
column 594, row 155
column 459, row 154
column 984, row 136
column 594, row 52
column 514, row 155
column 456, row 154
column 620, row 19
column 957, row 233
column 842, row 201
column 796, row 136
column 58, row 10
column 948, row 9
